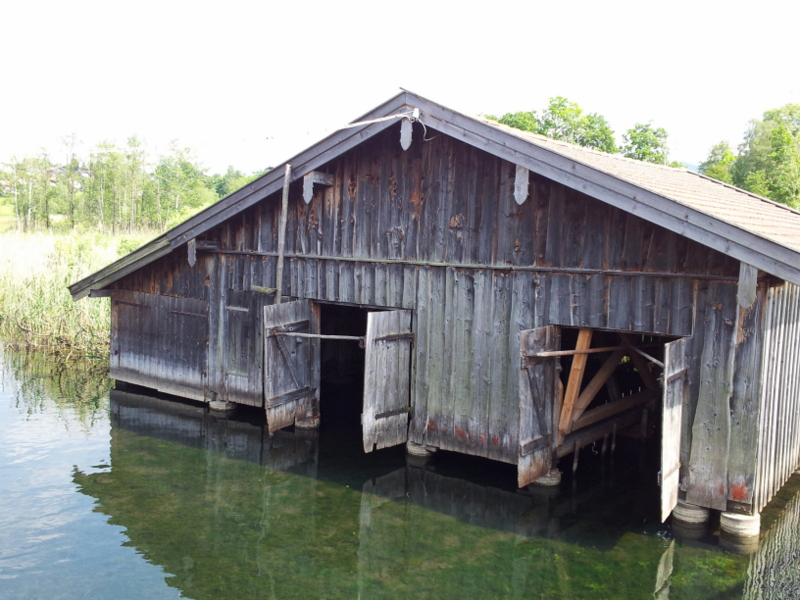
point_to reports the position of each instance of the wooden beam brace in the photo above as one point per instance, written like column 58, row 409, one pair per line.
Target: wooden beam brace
column 596, row 432
column 644, row 354
column 595, row 385
column 310, row 179
column 574, row 382
column 590, row 417
column 287, row 175
column 393, row 413
column 640, row 363
column 552, row 353
column 319, row 336
column 290, row 396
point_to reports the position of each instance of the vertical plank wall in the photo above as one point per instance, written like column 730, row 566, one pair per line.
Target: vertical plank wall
column 436, row 229
column 779, row 423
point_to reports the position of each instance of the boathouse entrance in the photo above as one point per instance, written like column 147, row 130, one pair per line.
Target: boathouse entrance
column 578, row 386
column 304, row 340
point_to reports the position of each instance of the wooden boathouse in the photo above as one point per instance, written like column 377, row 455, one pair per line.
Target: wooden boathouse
column 501, row 294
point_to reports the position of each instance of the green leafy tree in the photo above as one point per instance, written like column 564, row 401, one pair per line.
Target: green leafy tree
column 719, row 162
column 566, row 121
column 769, row 157
column 647, row 143
column 180, row 185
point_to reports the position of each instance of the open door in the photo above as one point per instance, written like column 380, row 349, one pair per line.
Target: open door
column 538, row 399
column 674, row 391
column 387, row 379
column 291, row 363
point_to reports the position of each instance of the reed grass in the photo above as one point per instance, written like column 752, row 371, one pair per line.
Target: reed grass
column 36, row 309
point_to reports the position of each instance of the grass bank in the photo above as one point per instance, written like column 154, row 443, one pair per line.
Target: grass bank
column 36, row 309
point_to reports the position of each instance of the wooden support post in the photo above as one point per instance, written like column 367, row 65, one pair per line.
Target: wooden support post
column 575, row 456
column 282, row 233
column 574, row 383
column 595, row 385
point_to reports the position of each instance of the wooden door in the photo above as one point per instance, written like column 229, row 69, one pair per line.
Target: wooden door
column 291, row 363
column 387, row 375
column 244, row 377
column 674, row 391
column 538, row 403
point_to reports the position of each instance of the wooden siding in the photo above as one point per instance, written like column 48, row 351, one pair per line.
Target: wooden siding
column 436, row 229
column 779, row 422
column 160, row 342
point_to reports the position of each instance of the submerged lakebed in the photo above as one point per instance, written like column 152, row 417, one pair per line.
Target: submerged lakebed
column 117, row 494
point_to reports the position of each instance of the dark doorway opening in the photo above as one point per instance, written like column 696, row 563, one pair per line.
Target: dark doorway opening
column 342, row 367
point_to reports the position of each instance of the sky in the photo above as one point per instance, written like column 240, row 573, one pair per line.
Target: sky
column 250, row 84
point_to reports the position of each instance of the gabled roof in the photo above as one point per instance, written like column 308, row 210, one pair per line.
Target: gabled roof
column 751, row 229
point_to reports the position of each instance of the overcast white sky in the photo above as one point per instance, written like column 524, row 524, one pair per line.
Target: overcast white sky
column 250, row 84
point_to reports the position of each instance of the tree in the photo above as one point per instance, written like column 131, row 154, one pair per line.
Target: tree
column 565, row 120
column 784, row 176
column 769, row 157
column 719, row 162
column 647, row 143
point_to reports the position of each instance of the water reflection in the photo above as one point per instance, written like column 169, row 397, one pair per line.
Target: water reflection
column 774, row 571
column 231, row 511
column 219, row 508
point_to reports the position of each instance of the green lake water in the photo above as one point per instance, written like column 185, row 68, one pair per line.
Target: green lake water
column 116, row 494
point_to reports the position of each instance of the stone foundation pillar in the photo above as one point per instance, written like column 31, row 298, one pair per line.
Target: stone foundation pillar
column 739, row 533
column 689, row 521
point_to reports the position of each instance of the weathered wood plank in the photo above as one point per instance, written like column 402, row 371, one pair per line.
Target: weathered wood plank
column 744, row 402
column 574, row 382
column 290, row 364
column 673, row 398
column 537, row 400
column 386, row 379
column 708, row 461
column 461, row 389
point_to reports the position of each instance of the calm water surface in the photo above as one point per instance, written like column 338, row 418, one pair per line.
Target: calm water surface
column 113, row 494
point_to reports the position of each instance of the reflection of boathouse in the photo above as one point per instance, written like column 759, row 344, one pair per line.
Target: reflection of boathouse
column 201, row 497
column 499, row 294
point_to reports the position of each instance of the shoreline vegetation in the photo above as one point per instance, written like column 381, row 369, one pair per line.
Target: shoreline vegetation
column 36, row 309
column 60, row 222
